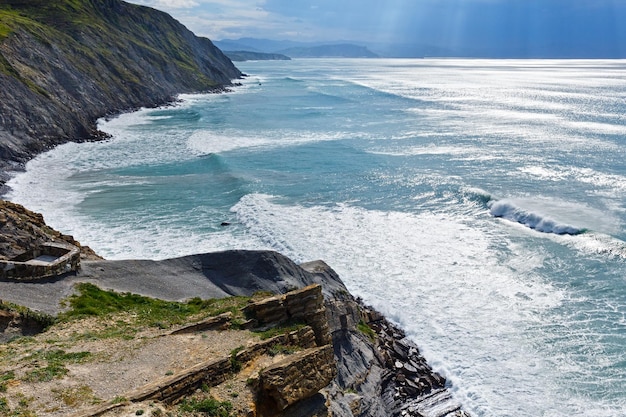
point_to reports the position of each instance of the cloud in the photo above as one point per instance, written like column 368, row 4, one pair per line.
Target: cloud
column 533, row 26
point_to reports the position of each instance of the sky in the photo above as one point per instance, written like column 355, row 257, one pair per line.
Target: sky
column 524, row 28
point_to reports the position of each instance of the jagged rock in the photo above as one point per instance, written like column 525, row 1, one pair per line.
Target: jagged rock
column 365, row 370
column 22, row 230
column 294, row 379
column 304, row 305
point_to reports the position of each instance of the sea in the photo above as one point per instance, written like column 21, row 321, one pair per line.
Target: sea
column 479, row 204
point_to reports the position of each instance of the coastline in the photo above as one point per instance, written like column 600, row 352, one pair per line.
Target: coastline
column 17, row 164
column 61, row 103
column 377, row 375
column 391, row 376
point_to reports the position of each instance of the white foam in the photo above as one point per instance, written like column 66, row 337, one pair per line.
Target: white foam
column 510, row 210
column 206, row 141
column 448, row 284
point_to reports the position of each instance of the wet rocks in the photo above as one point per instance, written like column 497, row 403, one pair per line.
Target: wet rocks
column 410, row 386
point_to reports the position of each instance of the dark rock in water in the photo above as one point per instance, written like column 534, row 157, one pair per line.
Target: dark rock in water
column 400, row 350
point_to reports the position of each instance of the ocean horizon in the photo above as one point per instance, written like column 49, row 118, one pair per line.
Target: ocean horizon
column 479, row 204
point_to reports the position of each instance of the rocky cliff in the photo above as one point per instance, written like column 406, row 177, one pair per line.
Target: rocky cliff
column 22, row 230
column 66, row 63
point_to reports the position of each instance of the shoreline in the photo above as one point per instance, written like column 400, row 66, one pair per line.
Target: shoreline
column 9, row 168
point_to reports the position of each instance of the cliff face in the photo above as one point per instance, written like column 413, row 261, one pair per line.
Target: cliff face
column 66, row 63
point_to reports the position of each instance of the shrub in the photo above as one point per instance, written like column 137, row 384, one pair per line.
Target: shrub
column 210, row 406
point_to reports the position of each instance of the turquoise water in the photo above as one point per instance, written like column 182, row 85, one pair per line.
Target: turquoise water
column 480, row 204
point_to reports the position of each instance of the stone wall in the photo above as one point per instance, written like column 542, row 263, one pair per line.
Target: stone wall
column 27, row 266
column 295, row 378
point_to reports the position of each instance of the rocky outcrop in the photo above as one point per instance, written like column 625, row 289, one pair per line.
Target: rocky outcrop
column 294, row 379
column 279, row 389
column 380, row 370
column 22, row 230
column 305, row 305
column 20, row 322
column 64, row 64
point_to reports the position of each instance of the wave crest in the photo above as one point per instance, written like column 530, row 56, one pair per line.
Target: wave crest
column 509, row 210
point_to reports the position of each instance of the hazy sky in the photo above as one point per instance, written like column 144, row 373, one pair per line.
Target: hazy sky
column 533, row 27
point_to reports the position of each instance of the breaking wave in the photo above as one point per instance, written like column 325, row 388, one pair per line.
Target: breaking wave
column 507, row 209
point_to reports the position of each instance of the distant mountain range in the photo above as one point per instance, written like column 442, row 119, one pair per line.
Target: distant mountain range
column 340, row 48
column 295, row 49
column 240, row 56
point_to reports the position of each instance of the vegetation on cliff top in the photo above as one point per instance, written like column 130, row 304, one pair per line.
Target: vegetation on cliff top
column 108, row 344
column 69, row 22
column 93, row 301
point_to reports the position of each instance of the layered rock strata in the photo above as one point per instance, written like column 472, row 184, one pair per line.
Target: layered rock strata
column 280, row 388
column 379, row 370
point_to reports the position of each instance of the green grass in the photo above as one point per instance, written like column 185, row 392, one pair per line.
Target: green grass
column 4, row 378
column 22, row 409
column 145, row 311
column 55, row 361
column 286, row 350
column 208, row 406
column 76, row 396
column 275, row 331
column 366, row 330
column 235, row 365
column 7, row 18
column 4, row 405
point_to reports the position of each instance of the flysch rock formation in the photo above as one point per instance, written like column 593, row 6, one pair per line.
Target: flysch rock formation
column 378, row 372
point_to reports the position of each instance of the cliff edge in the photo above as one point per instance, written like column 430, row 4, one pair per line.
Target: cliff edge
column 350, row 362
column 66, row 63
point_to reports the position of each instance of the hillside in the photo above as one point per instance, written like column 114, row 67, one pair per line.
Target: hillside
column 185, row 329
column 66, row 63
column 240, row 56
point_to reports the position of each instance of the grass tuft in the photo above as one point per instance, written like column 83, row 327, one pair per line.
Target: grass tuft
column 366, row 330
column 209, row 406
column 55, row 361
column 275, row 331
column 235, row 364
column 4, row 378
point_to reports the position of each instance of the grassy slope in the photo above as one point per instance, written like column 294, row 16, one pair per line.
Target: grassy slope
column 66, row 22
